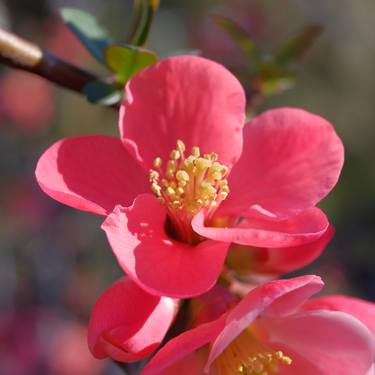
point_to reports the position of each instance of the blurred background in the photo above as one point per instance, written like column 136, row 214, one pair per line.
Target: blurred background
column 55, row 261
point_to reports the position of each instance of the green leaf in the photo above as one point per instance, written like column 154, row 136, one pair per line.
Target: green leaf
column 275, row 78
column 144, row 12
column 98, row 92
column 298, row 44
column 126, row 61
column 238, row 34
column 85, row 26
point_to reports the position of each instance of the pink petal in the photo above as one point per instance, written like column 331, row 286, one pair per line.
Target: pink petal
column 371, row 371
column 91, row 173
column 278, row 296
column 300, row 364
column 188, row 98
column 303, row 228
column 193, row 364
column 157, row 263
column 276, row 261
column 181, row 347
column 127, row 323
column 361, row 309
column 290, row 161
column 334, row 342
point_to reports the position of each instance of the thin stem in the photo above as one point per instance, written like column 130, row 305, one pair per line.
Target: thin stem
column 21, row 54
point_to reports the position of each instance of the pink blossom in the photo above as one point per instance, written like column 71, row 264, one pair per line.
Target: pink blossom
column 269, row 333
column 361, row 309
column 128, row 324
column 26, row 100
column 68, row 352
column 214, row 181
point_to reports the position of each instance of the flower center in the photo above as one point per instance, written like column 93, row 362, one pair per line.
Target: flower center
column 187, row 184
column 247, row 356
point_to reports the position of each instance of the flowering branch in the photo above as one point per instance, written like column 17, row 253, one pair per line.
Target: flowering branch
column 22, row 54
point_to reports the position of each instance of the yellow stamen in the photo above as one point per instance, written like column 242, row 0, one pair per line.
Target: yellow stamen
column 189, row 184
column 246, row 355
column 157, row 163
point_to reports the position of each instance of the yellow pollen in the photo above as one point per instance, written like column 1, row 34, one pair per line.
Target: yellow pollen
column 157, row 163
column 180, row 146
column 248, row 356
column 188, row 184
column 196, row 152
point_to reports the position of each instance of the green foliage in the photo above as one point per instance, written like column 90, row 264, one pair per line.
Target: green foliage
column 298, row 44
column 123, row 60
column 85, row 26
column 98, row 92
column 144, row 12
column 269, row 74
column 238, row 34
column 126, row 61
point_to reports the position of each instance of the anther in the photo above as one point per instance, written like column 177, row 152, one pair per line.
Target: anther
column 157, row 162
column 195, row 152
column 180, row 146
column 182, row 176
column 175, row 154
column 153, row 175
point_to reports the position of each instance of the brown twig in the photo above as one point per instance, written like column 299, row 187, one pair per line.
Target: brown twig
column 21, row 54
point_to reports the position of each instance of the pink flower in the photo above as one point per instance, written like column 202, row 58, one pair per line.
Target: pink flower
column 268, row 333
column 128, row 324
column 20, row 104
column 214, row 181
column 68, row 352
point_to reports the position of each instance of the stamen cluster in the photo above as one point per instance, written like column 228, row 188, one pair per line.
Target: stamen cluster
column 246, row 355
column 263, row 363
column 189, row 184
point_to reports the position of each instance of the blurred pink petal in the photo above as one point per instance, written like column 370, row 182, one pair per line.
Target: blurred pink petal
column 128, row 324
column 245, row 260
column 26, row 100
column 69, row 352
column 361, row 309
column 267, row 331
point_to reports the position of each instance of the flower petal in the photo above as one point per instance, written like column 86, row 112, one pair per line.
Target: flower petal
column 334, row 342
column 182, row 346
column 157, row 263
column 291, row 160
column 127, row 323
column 188, row 98
column 275, row 261
column 274, row 297
column 303, row 228
column 361, row 309
column 91, row 173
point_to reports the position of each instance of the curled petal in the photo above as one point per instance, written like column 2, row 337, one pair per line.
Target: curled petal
column 185, row 97
column 305, row 227
column 277, row 297
column 361, row 309
column 276, row 261
column 291, row 160
column 128, row 324
column 332, row 341
column 180, row 348
column 91, row 173
column 156, row 262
